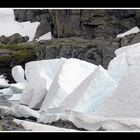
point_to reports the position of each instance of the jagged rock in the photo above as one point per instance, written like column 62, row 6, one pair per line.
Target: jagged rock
column 87, row 23
column 93, row 51
column 17, row 38
column 43, row 28
column 4, row 39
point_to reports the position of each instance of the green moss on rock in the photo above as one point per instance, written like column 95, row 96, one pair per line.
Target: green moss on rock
column 23, row 56
column 5, row 59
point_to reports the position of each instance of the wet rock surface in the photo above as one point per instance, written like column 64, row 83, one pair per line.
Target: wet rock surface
column 7, row 124
column 66, row 124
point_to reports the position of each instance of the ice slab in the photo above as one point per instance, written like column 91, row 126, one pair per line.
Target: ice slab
column 125, row 100
column 71, row 74
column 17, row 87
column 131, row 31
column 43, row 68
column 39, row 75
column 7, row 91
column 118, row 66
column 124, row 49
column 91, row 93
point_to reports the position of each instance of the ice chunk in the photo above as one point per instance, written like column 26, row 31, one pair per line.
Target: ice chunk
column 125, row 49
column 17, row 87
column 3, row 82
column 72, row 73
column 46, row 68
column 7, row 91
column 26, row 95
column 125, row 102
column 15, row 97
column 91, row 93
column 18, row 74
column 133, row 56
column 40, row 75
column 131, row 31
column 118, row 67
column 32, row 126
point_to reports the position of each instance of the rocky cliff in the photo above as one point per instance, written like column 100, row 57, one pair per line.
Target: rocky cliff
column 82, row 23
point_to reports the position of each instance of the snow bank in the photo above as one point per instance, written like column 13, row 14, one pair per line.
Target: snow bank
column 15, row 97
column 132, row 31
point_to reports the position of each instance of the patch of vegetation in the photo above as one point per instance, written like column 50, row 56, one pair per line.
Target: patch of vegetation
column 5, row 59
column 23, row 46
column 23, row 56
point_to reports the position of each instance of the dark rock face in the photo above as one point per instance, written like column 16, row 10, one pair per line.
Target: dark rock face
column 17, row 54
column 31, row 15
column 42, row 29
column 88, row 50
column 82, row 23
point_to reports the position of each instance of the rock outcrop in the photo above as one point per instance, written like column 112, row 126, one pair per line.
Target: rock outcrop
column 86, row 23
column 93, row 51
column 11, row 55
column 13, row 39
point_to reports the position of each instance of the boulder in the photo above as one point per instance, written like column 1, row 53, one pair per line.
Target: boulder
column 4, row 39
column 43, row 28
column 17, row 38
